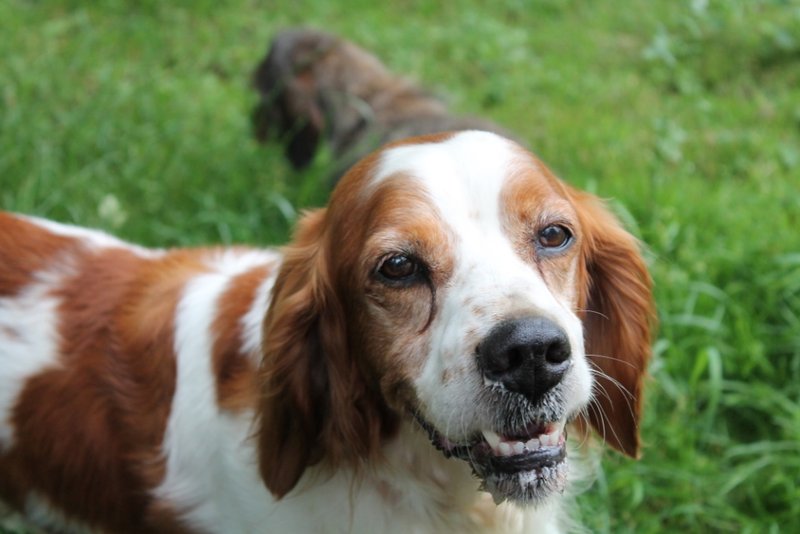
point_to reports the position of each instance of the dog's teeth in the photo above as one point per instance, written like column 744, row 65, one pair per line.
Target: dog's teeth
column 532, row 444
column 552, row 438
column 492, row 438
column 501, row 446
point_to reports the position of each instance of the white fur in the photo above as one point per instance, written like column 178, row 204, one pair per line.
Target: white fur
column 87, row 236
column 229, row 497
column 253, row 321
column 28, row 343
column 233, row 262
column 206, row 465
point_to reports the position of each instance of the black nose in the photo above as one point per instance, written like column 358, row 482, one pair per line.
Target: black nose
column 528, row 355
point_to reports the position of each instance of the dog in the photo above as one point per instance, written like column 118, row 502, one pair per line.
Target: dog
column 314, row 85
column 411, row 362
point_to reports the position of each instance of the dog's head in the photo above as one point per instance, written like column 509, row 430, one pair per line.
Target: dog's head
column 310, row 84
column 455, row 283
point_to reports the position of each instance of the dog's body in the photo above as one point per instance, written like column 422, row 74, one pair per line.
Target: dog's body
column 316, row 86
column 441, row 301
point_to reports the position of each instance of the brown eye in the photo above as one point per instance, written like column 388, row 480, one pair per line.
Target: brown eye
column 554, row 236
column 399, row 268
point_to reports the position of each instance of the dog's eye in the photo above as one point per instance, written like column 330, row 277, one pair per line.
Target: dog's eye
column 399, row 268
column 554, row 236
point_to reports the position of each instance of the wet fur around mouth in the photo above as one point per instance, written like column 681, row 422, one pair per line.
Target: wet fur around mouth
column 527, row 478
column 514, row 413
column 526, row 487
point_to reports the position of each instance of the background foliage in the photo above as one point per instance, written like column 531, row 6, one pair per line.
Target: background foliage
column 132, row 116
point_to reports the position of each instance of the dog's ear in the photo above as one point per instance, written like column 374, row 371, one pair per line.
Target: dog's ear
column 267, row 117
column 304, row 129
column 314, row 402
column 289, row 108
column 618, row 314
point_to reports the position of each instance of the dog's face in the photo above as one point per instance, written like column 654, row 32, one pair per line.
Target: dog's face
column 467, row 292
column 461, row 272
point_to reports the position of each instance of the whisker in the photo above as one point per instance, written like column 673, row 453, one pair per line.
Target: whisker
column 597, row 385
column 598, row 410
column 584, row 310
column 627, row 394
column 584, row 413
column 612, row 358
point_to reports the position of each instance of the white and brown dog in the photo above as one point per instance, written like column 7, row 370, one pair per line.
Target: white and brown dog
column 416, row 353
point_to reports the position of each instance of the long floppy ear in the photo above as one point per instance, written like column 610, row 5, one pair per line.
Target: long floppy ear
column 289, row 107
column 268, row 80
column 618, row 314
column 304, row 136
column 314, row 401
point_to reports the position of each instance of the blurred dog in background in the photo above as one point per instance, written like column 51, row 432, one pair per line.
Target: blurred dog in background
column 316, row 86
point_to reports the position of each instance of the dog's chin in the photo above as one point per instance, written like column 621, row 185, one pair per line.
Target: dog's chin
column 528, row 478
column 525, row 467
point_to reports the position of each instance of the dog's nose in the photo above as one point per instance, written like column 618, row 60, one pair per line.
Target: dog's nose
column 528, row 355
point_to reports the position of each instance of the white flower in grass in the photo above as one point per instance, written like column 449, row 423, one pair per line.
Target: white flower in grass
column 111, row 211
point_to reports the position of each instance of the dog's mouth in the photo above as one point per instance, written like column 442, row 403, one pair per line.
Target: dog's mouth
column 524, row 466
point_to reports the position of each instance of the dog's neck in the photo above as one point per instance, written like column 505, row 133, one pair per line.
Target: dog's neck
column 419, row 489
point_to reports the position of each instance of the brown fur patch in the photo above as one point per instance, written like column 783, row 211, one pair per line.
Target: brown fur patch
column 234, row 370
column 25, row 249
column 89, row 432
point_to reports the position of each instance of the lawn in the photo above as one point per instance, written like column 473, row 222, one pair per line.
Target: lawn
column 133, row 117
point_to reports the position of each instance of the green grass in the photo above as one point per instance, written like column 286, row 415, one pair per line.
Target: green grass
column 133, row 117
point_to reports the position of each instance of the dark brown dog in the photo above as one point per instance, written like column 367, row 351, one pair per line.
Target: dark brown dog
column 315, row 85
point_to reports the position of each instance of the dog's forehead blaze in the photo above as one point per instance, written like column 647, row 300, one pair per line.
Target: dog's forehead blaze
column 357, row 185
